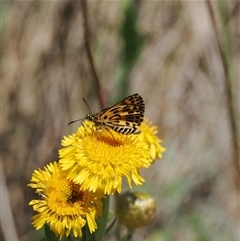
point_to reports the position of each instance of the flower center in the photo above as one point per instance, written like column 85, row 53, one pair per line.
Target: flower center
column 76, row 195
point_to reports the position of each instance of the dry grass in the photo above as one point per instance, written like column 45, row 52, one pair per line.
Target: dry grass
column 180, row 74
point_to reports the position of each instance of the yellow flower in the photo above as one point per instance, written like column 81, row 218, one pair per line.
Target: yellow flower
column 149, row 135
column 64, row 206
column 101, row 158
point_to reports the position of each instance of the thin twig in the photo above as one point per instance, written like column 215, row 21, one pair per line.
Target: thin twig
column 6, row 215
column 89, row 53
column 229, row 100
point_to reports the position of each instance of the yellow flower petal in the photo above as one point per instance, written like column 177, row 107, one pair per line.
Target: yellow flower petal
column 149, row 136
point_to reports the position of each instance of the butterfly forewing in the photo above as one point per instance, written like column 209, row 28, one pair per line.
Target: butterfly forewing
column 125, row 116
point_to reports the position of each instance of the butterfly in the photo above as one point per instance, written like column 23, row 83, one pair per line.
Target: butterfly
column 124, row 117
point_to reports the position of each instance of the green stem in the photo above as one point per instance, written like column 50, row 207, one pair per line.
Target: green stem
column 130, row 233
column 103, row 220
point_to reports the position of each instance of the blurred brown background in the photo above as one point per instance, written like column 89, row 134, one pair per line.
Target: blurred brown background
column 169, row 53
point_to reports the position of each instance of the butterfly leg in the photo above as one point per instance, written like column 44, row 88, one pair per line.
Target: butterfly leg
column 110, row 131
column 97, row 128
column 101, row 127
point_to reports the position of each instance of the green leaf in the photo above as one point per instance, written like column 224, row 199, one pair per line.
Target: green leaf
column 133, row 42
column 50, row 235
column 111, row 215
column 110, row 226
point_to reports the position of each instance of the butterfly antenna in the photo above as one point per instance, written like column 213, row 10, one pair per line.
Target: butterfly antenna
column 81, row 118
column 87, row 105
column 75, row 121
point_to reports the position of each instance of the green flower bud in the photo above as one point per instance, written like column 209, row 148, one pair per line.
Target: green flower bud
column 135, row 209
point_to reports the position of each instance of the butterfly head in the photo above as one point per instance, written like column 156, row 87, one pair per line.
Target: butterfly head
column 91, row 116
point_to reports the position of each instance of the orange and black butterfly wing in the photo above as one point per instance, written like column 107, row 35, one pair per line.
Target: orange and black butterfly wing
column 125, row 116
